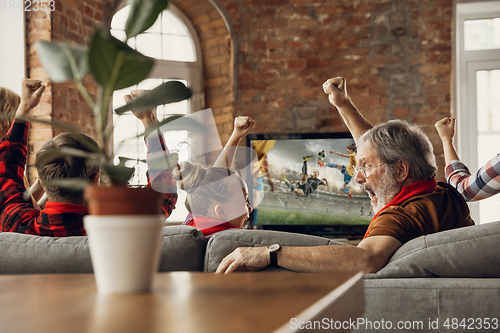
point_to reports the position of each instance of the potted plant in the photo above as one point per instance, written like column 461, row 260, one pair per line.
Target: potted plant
column 124, row 239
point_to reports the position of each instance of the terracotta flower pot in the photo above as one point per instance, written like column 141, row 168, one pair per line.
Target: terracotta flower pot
column 122, row 200
column 124, row 231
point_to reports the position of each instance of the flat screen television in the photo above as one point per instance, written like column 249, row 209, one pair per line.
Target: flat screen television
column 326, row 211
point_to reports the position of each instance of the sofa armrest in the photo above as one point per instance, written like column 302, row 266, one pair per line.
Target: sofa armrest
column 223, row 243
column 469, row 252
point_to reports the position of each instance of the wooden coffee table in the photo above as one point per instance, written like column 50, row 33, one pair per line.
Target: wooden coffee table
column 183, row 302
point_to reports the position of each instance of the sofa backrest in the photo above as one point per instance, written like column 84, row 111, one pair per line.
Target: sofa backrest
column 223, row 243
column 183, row 249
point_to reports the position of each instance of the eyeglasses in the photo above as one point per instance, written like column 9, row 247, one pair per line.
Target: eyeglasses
column 365, row 170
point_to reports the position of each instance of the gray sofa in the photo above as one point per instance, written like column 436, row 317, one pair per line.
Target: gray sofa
column 452, row 274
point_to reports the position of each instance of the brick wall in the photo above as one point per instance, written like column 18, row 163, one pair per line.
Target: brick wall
column 395, row 55
column 71, row 22
column 216, row 44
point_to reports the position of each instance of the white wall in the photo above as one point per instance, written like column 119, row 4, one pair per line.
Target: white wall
column 12, row 48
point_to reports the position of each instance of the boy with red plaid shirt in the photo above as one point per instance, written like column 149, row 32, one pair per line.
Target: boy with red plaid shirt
column 63, row 213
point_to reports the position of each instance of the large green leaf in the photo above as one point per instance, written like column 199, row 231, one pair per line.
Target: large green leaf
column 143, row 14
column 123, row 160
column 176, row 123
column 63, row 62
column 118, row 174
column 114, row 64
column 56, row 124
column 165, row 93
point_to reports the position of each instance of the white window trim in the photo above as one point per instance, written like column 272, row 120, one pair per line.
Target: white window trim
column 466, row 65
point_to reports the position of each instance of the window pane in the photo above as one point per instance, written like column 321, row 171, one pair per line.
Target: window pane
column 150, row 84
column 127, row 126
column 488, row 140
column 156, row 27
column 488, row 101
column 149, row 44
column 482, row 34
column 167, row 39
column 172, row 25
column 119, row 19
column 119, row 34
column 178, row 48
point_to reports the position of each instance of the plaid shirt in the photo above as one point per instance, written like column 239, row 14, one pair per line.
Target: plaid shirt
column 484, row 184
column 17, row 214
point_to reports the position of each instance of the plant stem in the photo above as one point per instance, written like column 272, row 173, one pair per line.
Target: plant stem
column 108, row 91
column 78, row 78
column 85, row 94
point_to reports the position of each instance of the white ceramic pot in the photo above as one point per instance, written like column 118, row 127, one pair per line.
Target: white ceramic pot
column 125, row 251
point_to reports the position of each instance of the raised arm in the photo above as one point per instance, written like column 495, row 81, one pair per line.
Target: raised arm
column 446, row 130
column 32, row 91
column 17, row 213
column 158, row 179
column 340, row 154
column 480, row 185
column 242, row 126
column 337, row 95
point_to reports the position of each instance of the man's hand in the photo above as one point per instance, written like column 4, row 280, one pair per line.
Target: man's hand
column 245, row 259
column 146, row 117
column 242, row 126
column 446, row 129
column 32, row 90
column 337, row 92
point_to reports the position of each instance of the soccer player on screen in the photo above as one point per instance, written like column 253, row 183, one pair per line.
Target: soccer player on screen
column 348, row 171
column 306, row 185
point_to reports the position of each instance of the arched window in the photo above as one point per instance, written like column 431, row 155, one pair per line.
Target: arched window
column 172, row 40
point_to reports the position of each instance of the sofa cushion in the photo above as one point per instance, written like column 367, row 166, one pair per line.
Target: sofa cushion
column 465, row 252
column 182, row 249
column 28, row 254
column 223, row 243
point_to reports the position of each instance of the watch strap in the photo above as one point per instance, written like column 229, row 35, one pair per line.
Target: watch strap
column 274, row 258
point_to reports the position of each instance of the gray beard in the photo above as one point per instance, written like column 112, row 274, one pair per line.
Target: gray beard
column 386, row 192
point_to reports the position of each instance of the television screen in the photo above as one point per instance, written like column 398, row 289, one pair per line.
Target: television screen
column 314, row 190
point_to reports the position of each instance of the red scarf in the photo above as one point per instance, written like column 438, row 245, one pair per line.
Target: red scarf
column 59, row 208
column 210, row 226
column 417, row 188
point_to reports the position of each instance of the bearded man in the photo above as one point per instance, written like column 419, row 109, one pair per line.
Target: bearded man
column 396, row 167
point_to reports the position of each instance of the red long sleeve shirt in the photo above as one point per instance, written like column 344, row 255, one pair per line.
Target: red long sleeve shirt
column 17, row 214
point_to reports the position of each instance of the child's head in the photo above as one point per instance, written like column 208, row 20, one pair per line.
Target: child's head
column 9, row 102
column 65, row 167
column 214, row 192
column 351, row 149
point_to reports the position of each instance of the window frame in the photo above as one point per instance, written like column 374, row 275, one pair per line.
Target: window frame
column 467, row 63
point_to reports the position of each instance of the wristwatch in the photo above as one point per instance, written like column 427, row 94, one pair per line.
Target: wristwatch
column 273, row 254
